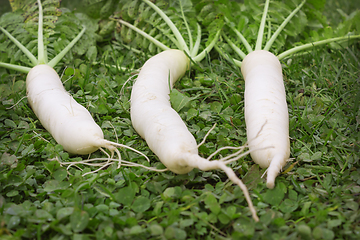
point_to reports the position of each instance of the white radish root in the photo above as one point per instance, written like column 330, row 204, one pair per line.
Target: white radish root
column 68, row 122
column 161, row 126
column 60, row 114
column 266, row 112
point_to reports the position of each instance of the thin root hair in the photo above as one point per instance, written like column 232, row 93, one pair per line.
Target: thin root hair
column 93, row 162
column 227, row 147
column 244, row 154
column 130, row 148
column 260, row 130
column 16, row 103
column 262, row 176
column 116, row 136
column 206, row 165
column 232, row 176
column 39, row 136
column 206, row 135
column 128, row 80
column 112, row 147
column 62, row 74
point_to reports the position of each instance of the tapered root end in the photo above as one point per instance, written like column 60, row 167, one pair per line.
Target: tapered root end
column 274, row 169
column 206, row 165
column 270, row 184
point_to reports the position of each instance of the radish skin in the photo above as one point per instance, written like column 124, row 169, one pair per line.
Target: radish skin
column 266, row 112
column 68, row 122
column 161, row 126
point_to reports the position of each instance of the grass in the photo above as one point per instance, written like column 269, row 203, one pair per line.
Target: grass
column 316, row 198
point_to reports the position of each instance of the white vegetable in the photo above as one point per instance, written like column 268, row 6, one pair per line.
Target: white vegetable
column 151, row 112
column 69, row 123
column 266, row 112
column 152, row 115
column 161, row 126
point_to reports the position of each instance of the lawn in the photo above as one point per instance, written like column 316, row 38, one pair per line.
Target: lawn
column 316, row 197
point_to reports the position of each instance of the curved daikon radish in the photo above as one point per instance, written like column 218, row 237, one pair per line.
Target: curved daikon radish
column 161, row 126
column 68, row 122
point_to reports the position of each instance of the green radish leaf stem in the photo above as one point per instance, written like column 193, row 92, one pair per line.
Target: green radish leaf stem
column 271, row 40
column 174, row 29
column 240, row 36
column 281, row 27
column 144, row 34
column 313, row 44
column 31, row 57
column 202, row 55
column 58, row 57
column 262, row 27
column 42, row 58
column 165, row 29
column 15, row 67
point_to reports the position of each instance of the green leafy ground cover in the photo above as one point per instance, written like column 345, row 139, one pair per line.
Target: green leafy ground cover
column 318, row 198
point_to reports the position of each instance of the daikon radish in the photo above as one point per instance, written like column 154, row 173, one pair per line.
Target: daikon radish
column 161, row 126
column 266, row 112
column 151, row 113
column 68, row 122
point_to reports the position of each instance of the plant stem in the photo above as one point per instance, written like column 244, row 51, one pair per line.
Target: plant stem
column 144, row 34
column 31, row 57
column 282, row 26
column 313, row 44
column 196, row 47
column 15, row 67
column 269, row 31
column 262, row 26
column 180, row 39
column 234, row 47
column 230, row 59
column 240, row 36
column 58, row 57
column 202, row 55
column 187, row 27
column 41, row 53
